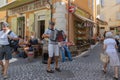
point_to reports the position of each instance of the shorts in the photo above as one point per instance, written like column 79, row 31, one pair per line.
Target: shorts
column 5, row 53
column 53, row 49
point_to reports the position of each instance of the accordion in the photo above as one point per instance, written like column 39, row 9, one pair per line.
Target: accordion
column 57, row 35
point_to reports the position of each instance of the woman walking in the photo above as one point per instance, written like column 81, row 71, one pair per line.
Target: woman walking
column 109, row 47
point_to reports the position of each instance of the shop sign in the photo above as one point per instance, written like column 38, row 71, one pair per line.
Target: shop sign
column 28, row 7
column 71, row 9
column 81, row 12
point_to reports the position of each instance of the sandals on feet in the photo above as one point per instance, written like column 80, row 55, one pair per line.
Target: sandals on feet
column 5, row 76
column 50, row 71
column 115, row 78
column 58, row 69
column 2, row 71
column 104, row 71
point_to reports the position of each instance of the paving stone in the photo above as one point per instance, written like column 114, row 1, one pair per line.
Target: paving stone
column 86, row 67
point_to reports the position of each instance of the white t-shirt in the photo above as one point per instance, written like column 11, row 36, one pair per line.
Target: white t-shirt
column 4, row 38
column 48, row 31
column 110, row 44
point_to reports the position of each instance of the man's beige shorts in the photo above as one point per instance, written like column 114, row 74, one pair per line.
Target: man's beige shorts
column 53, row 49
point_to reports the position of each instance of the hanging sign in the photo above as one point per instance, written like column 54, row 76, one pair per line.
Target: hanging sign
column 71, row 9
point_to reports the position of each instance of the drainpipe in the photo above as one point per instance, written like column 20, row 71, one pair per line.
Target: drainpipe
column 68, row 17
column 51, row 8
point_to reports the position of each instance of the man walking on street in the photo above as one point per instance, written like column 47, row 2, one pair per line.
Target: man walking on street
column 5, row 49
column 52, row 48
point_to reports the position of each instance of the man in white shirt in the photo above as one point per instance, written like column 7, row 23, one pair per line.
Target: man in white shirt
column 53, row 49
column 5, row 49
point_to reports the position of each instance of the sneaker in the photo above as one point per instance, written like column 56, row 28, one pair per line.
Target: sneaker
column 58, row 69
column 50, row 71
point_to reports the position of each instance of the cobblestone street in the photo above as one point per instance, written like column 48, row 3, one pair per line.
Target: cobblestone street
column 85, row 67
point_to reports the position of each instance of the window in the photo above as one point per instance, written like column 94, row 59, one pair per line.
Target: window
column 102, row 3
column 102, row 27
column 118, row 16
column 90, row 4
column 112, row 28
column 117, row 1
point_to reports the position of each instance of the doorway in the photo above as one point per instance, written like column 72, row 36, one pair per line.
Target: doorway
column 41, row 28
column 21, row 26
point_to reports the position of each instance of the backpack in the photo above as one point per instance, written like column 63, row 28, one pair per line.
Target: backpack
column 12, row 42
column 60, row 36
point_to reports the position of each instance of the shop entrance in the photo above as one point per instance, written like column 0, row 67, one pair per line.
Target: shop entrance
column 21, row 26
column 41, row 28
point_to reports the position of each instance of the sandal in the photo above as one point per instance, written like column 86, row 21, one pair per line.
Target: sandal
column 115, row 78
column 5, row 76
column 58, row 69
column 50, row 71
column 104, row 71
column 2, row 71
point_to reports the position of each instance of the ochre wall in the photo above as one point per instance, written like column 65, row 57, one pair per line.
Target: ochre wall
column 9, row 0
column 2, row 14
column 83, row 4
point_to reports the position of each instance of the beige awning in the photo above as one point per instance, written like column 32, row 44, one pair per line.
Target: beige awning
column 101, row 21
column 13, row 4
column 83, row 18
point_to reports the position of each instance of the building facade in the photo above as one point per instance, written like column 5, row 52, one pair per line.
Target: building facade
column 3, row 16
column 110, row 12
column 26, row 16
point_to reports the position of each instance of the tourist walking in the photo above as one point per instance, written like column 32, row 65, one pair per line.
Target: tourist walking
column 5, row 49
column 109, row 46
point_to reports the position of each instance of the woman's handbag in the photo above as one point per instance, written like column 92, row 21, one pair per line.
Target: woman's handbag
column 104, row 57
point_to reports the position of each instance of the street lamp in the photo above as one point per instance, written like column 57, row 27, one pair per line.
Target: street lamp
column 51, row 8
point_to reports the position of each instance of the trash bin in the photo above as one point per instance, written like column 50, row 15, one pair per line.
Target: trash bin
column 45, row 58
column 30, row 55
column 45, row 53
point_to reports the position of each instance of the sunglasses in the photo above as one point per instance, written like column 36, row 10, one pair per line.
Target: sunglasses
column 3, row 25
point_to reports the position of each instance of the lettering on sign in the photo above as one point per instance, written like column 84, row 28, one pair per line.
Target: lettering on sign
column 28, row 7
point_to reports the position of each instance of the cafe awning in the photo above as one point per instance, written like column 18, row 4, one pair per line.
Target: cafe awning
column 13, row 4
column 83, row 18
